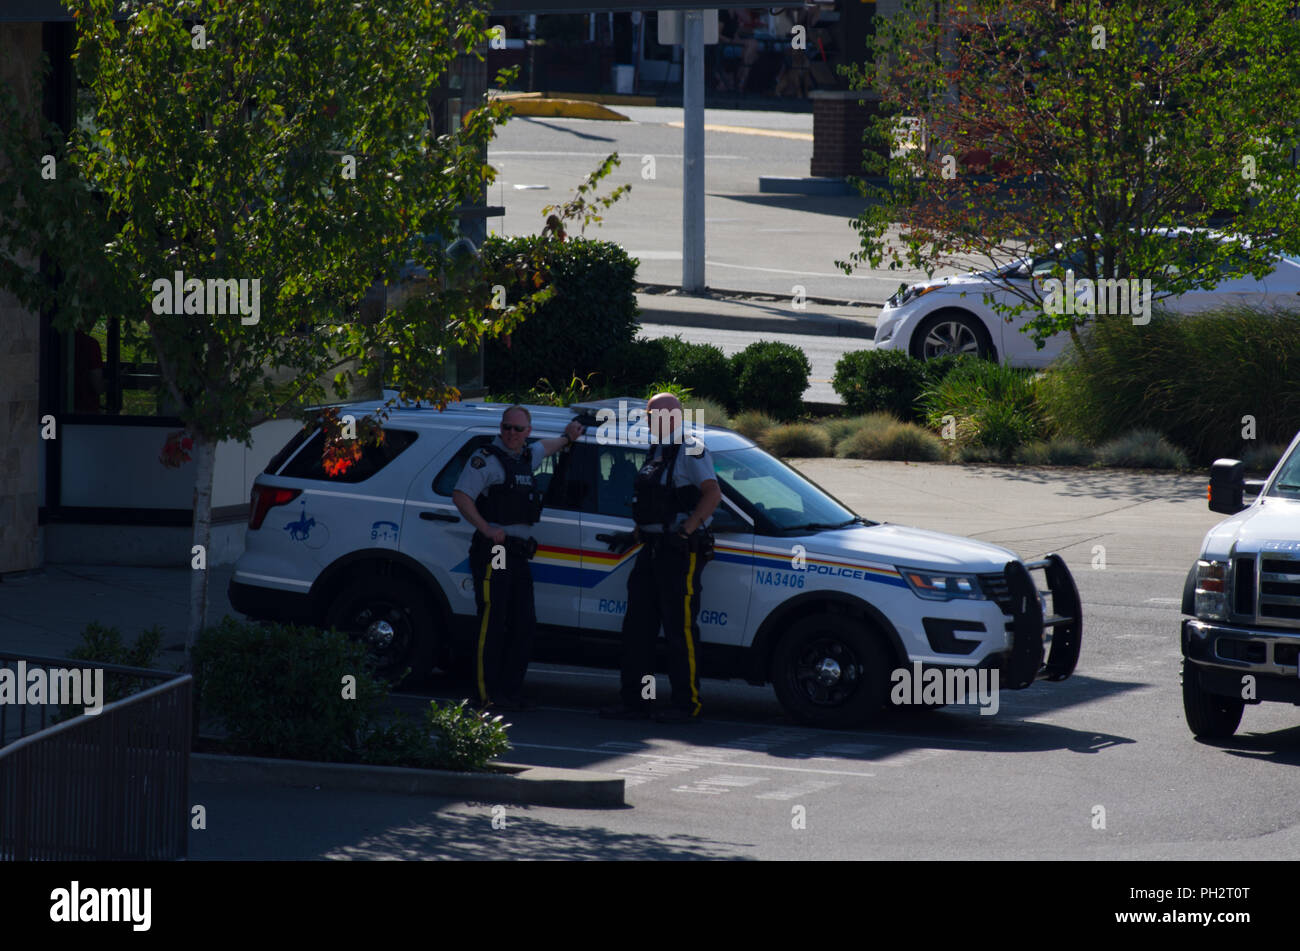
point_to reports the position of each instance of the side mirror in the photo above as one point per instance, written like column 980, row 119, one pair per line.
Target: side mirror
column 1227, row 486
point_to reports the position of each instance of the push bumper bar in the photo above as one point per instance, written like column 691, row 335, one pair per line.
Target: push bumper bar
column 1024, row 664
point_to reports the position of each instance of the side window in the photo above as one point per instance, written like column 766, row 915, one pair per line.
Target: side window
column 309, row 463
column 617, row 469
column 445, row 482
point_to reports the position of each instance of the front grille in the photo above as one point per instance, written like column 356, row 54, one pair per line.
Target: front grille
column 1231, row 648
column 1243, row 586
column 1279, row 589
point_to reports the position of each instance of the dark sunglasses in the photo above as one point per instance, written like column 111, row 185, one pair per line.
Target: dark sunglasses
column 507, row 428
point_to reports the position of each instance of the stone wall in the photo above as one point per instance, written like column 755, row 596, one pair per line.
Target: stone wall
column 20, row 540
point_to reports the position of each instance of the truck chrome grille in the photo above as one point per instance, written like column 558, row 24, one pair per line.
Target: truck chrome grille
column 1266, row 589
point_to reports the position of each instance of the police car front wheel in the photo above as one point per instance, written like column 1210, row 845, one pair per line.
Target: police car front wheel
column 393, row 619
column 831, row 670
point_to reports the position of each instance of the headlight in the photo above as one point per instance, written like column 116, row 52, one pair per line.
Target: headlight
column 1212, row 589
column 905, row 294
column 934, row 586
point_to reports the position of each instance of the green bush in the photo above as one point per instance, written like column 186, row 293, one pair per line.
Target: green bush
column 771, row 377
column 842, row 427
column 707, row 412
column 905, row 442
column 795, row 440
column 1143, row 449
column 631, row 365
column 991, row 405
column 1190, row 377
column 752, row 424
column 1056, row 452
column 593, row 309
column 683, row 393
column 280, row 691
column 104, row 645
column 1263, row 458
column 700, row 366
column 879, row 380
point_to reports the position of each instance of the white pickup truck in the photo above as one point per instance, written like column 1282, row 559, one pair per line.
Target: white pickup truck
column 1241, row 643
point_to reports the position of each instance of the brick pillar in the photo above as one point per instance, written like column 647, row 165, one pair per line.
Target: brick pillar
column 20, row 348
column 838, row 123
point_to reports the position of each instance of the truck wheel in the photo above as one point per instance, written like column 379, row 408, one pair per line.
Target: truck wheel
column 1209, row 715
column 831, row 670
column 393, row 619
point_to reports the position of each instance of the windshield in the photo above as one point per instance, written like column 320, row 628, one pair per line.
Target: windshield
column 775, row 493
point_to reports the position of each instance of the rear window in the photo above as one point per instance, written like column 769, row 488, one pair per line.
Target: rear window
column 308, row 464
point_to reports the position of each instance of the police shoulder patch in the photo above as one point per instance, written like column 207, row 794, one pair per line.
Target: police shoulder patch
column 477, row 462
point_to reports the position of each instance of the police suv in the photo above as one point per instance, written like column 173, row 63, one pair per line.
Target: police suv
column 802, row 592
column 1241, row 643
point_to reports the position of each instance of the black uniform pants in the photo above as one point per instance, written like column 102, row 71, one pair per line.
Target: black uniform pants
column 664, row 590
column 507, row 618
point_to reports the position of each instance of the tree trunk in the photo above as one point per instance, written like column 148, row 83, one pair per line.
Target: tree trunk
column 205, row 454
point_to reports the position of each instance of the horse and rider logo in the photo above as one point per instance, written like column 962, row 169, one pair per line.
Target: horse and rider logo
column 301, row 530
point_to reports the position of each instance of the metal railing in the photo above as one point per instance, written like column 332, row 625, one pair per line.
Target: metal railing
column 112, row 785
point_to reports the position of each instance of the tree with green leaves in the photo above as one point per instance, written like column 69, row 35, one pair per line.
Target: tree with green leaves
column 250, row 171
column 1079, row 132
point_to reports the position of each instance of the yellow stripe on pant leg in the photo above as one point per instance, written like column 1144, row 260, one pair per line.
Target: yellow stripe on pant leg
column 482, row 633
column 689, row 634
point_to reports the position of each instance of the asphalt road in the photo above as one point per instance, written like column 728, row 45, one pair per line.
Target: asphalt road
column 754, row 242
column 1029, row 782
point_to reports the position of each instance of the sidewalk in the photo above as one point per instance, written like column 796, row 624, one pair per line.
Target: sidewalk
column 44, row 612
column 719, row 310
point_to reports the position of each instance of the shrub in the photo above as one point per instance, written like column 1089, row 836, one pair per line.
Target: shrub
column 771, row 377
column 707, row 412
column 1263, row 458
column 104, row 645
column 905, row 442
column 683, row 393
column 1191, row 377
column 277, row 690
column 752, row 423
column 794, row 440
column 842, row 427
column 631, row 365
column 593, row 308
column 1056, row 452
column 974, row 452
column 1143, row 449
column 880, row 380
column 700, row 366
column 992, row 405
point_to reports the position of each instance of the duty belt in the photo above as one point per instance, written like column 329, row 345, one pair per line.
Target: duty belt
column 526, row 547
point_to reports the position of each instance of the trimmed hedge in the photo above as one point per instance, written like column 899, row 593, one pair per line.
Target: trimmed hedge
column 592, row 311
column 888, row 381
column 701, row 367
column 771, row 377
column 632, row 365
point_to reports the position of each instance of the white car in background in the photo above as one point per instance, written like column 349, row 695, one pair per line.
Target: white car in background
column 951, row 315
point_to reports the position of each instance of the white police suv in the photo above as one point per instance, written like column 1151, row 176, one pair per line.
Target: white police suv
column 802, row 592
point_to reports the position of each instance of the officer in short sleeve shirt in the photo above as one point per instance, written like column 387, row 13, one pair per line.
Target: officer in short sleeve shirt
column 676, row 494
column 496, row 493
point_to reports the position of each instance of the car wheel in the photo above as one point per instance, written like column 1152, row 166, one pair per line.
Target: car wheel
column 1209, row 715
column 831, row 670
column 949, row 333
column 393, row 619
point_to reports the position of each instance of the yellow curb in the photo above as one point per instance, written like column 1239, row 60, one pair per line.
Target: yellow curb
column 746, row 130
column 565, row 108
column 609, row 99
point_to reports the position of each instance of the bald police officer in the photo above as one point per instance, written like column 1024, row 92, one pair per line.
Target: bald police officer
column 496, row 493
column 675, row 494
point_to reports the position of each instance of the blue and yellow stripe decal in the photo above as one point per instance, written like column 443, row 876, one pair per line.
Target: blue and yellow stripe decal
column 586, row 568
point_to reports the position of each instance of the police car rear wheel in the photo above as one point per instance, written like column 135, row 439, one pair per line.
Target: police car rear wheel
column 392, row 618
column 831, row 670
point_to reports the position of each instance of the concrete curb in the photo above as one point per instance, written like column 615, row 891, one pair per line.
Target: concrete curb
column 784, row 185
column 813, row 326
column 565, row 109
column 526, row 785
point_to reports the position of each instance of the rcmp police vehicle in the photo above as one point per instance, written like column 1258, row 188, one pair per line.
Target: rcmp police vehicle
column 802, row 592
column 1241, row 643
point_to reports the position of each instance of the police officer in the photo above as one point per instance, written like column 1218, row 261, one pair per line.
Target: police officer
column 675, row 494
column 496, row 494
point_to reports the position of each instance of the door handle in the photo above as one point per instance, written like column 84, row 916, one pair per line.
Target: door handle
column 438, row 517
